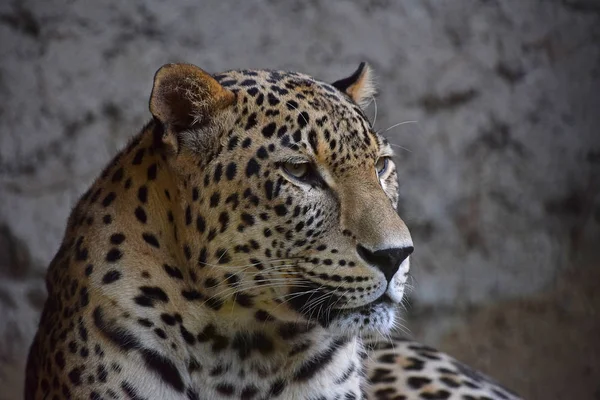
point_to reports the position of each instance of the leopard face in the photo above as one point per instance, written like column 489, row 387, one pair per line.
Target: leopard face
column 288, row 195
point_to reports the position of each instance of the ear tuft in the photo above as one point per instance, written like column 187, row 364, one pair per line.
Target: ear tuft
column 184, row 95
column 360, row 86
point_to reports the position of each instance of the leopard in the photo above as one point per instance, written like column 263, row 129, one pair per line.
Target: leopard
column 245, row 244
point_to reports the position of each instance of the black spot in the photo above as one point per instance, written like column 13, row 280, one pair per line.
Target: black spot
column 152, row 169
column 173, row 272
column 231, row 170
column 346, row 375
column 150, row 239
column 262, row 153
column 229, row 82
column 187, row 336
column 75, row 376
column 107, row 219
column 280, row 210
column 117, row 238
column 140, row 214
column 248, row 82
column 113, row 255
column 444, row 394
column 297, row 136
column 303, row 119
column 111, row 276
column 451, row 383
column 233, row 199
column 312, row 140
column 118, row 175
column 218, row 173
column 130, row 391
column 95, row 196
column 94, row 395
column 202, row 257
column 143, row 194
column 381, row 375
column 109, row 199
column 244, row 299
column 164, row 368
column 200, row 224
column 246, row 143
column 59, row 359
column 233, row 142
column 272, row 99
column 139, row 155
column 214, row 303
column 290, row 330
column 145, row 322
column 222, row 256
column 211, row 235
column 263, row 316
column 210, row 282
column 249, row 392
column 150, row 294
column 168, row 319
column 247, row 219
column 319, row 361
column 277, row 388
column 188, row 215
column 214, row 199
column 72, row 347
column 224, row 221
column 251, row 121
column 253, row 168
column 225, row 389
column 260, row 99
column 187, row 252
column 192, row 295
column 269, row 130
column 102, row 374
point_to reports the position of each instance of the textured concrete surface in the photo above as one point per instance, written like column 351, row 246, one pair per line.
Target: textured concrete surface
column 544, row 346
column 499, row 174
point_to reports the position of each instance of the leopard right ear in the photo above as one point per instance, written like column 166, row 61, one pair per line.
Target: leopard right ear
column 186, row 97
column 360, row 86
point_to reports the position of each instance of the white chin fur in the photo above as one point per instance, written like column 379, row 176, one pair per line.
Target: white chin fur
column 380, row 320
column 395, row 289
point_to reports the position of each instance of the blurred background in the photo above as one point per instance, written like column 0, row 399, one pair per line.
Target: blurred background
column 493, row 106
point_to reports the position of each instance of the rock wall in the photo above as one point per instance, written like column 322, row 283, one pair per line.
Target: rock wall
column 492, row 105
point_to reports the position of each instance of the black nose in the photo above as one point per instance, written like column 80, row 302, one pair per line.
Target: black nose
column 388, row 260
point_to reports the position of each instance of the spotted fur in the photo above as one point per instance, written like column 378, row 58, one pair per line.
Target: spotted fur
column 242, row 246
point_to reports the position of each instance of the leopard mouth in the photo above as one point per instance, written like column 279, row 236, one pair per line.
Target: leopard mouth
column 322, row 306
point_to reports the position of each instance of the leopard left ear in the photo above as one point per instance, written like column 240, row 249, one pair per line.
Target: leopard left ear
column 184, row 97
column 360, row 86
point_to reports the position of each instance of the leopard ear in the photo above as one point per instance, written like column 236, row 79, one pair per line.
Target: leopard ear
column 360, row 86
column 184, row 96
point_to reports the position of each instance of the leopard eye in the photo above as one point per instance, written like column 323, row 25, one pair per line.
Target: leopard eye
column 382, row 165
column 297, row 170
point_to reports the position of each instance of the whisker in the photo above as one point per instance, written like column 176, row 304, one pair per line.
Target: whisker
column 401, row 147
column 399, row 124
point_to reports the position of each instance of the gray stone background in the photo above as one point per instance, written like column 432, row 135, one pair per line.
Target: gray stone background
column 498, row 147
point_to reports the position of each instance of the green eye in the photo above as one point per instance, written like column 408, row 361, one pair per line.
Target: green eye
column 382, row 165
column 296, row 170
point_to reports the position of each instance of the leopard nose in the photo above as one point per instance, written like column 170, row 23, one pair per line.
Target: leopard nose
column 388, row 260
